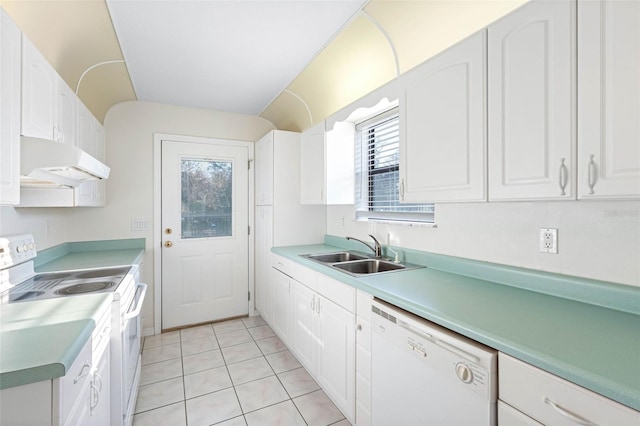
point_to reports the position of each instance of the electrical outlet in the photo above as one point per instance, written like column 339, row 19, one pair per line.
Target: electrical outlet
column 549, row 240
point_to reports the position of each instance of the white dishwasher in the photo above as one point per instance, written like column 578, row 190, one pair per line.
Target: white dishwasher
column 424, row 374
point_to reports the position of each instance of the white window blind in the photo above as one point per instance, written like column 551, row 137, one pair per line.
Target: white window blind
column 377, row 172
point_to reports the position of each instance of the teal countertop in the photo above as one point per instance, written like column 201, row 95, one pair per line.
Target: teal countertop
column 39, row 340
column 90, row 254
column 597, row 347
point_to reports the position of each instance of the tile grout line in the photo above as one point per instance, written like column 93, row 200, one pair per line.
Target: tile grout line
column 226, row 365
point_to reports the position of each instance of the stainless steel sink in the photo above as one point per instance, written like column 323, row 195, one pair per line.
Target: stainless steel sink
column 369, row 266
column 343, row 256
column 358, row 264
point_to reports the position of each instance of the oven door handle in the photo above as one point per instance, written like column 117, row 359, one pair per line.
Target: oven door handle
column 136, row 311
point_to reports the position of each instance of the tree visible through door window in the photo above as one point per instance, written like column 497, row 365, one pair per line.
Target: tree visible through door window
column 207, row 198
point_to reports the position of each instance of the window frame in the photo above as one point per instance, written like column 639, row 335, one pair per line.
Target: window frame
column 365, row 169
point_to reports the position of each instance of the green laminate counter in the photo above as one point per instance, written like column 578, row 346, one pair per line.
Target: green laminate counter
column 39, row 340
column 597, row 347
column 90, row 254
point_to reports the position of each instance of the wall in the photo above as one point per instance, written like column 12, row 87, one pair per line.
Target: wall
column 129, row 131
column 597, row 239
column 48, row 226
column 360, row 59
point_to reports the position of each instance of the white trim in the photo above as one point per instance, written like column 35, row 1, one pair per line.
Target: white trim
column 157, row 216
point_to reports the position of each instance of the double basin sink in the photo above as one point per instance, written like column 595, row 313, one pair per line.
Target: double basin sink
column 359, row 264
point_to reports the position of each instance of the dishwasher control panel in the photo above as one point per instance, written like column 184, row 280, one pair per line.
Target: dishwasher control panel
column 457, row 357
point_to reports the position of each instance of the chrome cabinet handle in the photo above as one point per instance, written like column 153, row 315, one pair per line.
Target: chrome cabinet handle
column 313, row 303
column 568, row 414
column 87, row 365
column 591, row 174
column 563, row 177
column 318, row 306
column 402, row 189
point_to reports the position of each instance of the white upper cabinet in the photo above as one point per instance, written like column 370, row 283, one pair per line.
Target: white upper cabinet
column 264, row 170
column 49, row 106
column 609, row 99
column 66, row 114
column 38, row 93
column 531, row 102
column 10, row 48
column 442, row 122
column 312, row 168
column 90, row 138
column 326, row 164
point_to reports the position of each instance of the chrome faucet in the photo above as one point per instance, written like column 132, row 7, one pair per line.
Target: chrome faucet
column 376, row 249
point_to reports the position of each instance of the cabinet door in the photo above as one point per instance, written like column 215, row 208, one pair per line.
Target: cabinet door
column 100, row 186
column 442, row 122
column 304, row 319
column 609, row 99
column 10, row 56
column 264, row 170
column 531, row 101
column 263, row 244
column 312, row 159
column 66, row 113
column 100, row 407
column 85, row 130
column 38, row 93
column 280, row 291
column 336, row 367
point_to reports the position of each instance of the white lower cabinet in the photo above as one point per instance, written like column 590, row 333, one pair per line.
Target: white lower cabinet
column 315, row 315
column 363, row 358
column 507, row 415
column 323, row 340
column 280, row 295
column 548, row 399
column 79, row 398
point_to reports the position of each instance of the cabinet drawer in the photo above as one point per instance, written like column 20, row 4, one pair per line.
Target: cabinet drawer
column 552, row 400
column 71, row 385
column 281, row 264
column 363, row 304
column 102, row 334
column 509, row 416
column 304, row 275
column 338, row 292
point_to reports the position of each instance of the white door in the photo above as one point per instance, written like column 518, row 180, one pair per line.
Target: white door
column 205, row 219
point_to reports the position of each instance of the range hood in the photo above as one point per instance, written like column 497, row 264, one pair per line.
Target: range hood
column 47, row 163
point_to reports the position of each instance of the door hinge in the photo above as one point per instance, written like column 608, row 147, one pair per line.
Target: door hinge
column 249, row 164
column 249, row 230
column 249, row 295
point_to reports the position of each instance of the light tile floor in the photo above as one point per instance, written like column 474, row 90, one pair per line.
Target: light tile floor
column 230, row 373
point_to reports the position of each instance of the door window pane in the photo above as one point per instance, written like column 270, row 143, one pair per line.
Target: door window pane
column 207, row 201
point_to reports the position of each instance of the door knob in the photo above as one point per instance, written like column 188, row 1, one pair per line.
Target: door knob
column 168, row 231
column 168, row 244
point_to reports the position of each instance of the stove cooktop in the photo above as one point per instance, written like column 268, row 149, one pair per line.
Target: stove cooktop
column 50, row 285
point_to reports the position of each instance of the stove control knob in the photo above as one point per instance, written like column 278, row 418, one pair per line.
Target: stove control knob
column 464, row 372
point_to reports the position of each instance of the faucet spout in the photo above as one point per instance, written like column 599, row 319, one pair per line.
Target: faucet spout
column 376, row 248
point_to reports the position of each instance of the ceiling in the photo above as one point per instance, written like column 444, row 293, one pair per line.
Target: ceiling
column 234, row 56
column 293, row 62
